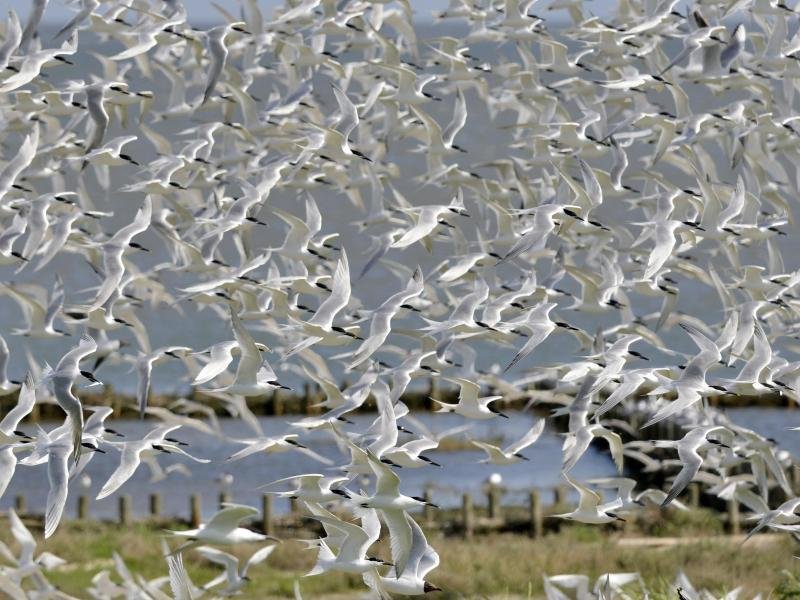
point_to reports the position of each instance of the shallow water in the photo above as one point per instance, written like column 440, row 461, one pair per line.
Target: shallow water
column 460, row 470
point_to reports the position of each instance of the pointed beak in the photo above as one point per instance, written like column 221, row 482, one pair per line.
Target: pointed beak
column 90, row 376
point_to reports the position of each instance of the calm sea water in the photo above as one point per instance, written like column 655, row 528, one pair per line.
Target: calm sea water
column 460, row 470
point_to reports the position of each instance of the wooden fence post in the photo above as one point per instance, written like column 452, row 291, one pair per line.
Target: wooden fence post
column 83, row 507
column 428, row 511
column 796, row 478
column 21, row 505
column 434, row 392
column 494, row 499
column 267, row 525
column 305, row 399
column 195, row 510
column 468, row 515
column 694, row 495
column 155, row 505
column 125, row 510
column 224, row 498
column 561, row 495
column 537, row 520
column 294, row 508
column 733, row 517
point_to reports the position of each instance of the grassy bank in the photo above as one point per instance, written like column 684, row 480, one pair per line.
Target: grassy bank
column 492, row 565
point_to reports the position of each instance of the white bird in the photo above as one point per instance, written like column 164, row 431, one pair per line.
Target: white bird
column 21, row 161
column 692, row 381
column 512, row 453
column 58, row 456
column 588, row 510
column 144, row 368
column 393, row 506
column 427, row 219
column 219, row 54
column 6, row 386
column 33, row 62
column 313, row 487
column 235, row 575
column 576, row 444
column 29, row 33
column 381, row 320
column 62, row 378
column 539, row 325
column 9, row 430
column 470, row 405
column 12, row 40
column 271, row 445
column 688, row 452
column 220, row 356
column 536, row 236
column 320, row 327
column 422, row 559
column 114, row 250
column 254, row 375
column 352, row 557
column 223, row 529
column 134, row 452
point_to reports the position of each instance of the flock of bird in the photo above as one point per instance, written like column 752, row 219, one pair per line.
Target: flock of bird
column 617, row 185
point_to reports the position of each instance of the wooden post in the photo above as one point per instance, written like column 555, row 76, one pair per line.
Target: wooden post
column 83, row 507
column 435, row 392
column 537, row 520
column 224, row 498
column 796, row 478
column 195, row 510
column 277, row 403
column 125, row 510
column 634, row 421
column 267, row 525
column 155, row 505
column 561, row 495
column 305, row 399
column 116, row 406
column 468, row 515
column 494, row 498
column 21, row 505
column 694, row 495
column 36, row 413
column 319, row 396
column 294, row 508
column 733, row 517
column 428, row 511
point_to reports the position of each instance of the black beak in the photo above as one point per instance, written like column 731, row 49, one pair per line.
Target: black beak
column 92, row 448
column 90, row 377
column 278, row 385
column 175, row 441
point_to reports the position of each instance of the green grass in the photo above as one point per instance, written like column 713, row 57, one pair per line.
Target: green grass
column 493, row 565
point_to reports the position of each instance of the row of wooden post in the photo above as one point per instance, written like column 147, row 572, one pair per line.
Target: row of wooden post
column 536, row 509
column 494, row 495
column 125, row 509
